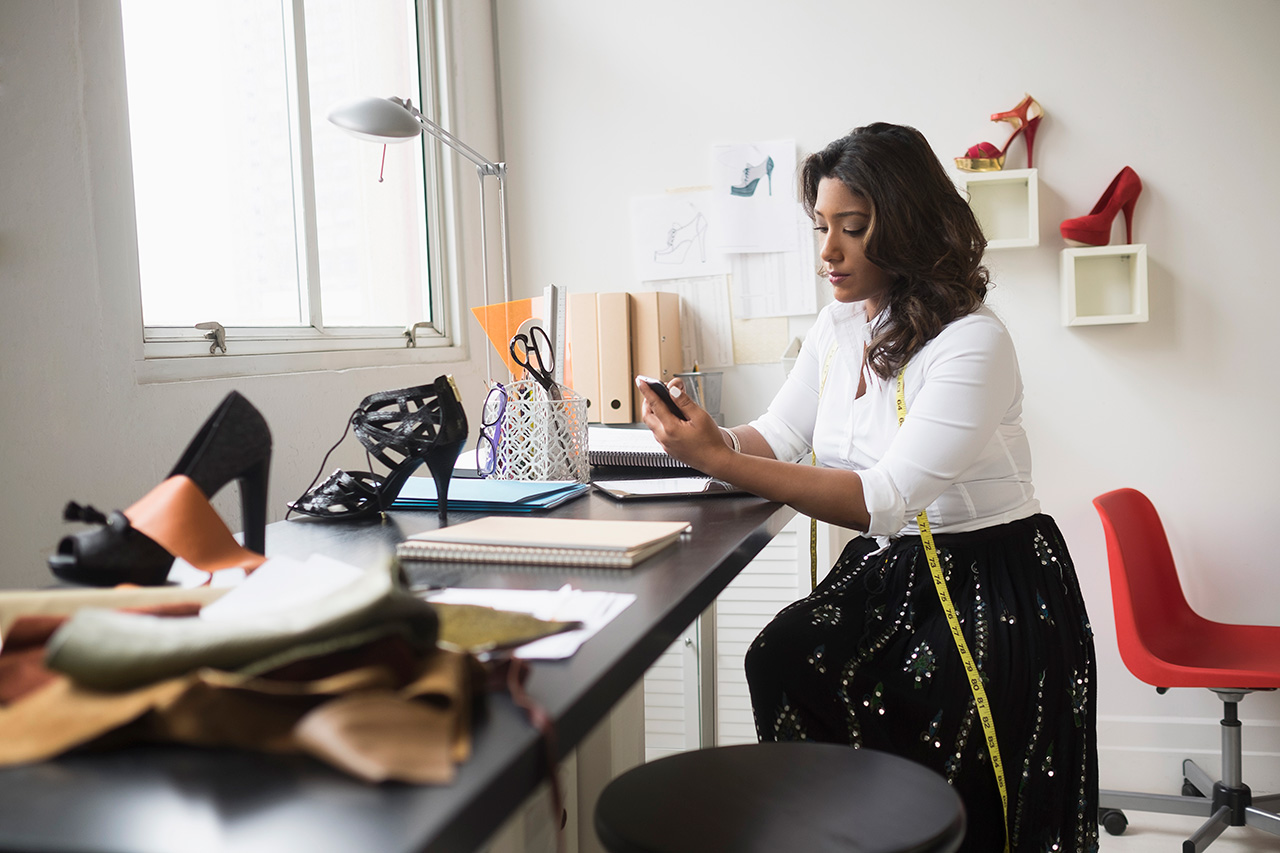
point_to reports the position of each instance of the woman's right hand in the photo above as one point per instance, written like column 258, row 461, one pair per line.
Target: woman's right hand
column 695, row 441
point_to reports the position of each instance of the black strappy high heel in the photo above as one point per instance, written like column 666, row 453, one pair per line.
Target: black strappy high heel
column 421, row 424
column 233, row 444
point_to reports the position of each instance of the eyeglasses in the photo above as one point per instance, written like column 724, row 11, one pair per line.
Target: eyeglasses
column 495, row 405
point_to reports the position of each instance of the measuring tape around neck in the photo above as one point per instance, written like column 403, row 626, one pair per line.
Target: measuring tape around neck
column 971, row 669
column 813, row 460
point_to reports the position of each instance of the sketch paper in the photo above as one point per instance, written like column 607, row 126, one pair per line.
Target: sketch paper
column 706, row 323
column 670, row 236
column 752, row 187
column 778, row 284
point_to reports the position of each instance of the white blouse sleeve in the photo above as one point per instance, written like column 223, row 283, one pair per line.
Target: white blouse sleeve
column 965, row 382
column 787, row 426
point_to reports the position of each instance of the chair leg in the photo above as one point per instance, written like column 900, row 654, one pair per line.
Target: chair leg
column 1159, row 803
column 1204, row 836
column 1227, row 802
column 1265, row 820
column 1194, row 774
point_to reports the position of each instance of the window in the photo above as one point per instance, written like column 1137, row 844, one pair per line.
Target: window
column 253, row 211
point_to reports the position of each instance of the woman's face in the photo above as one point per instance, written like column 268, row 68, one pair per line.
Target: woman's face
column 842, row 218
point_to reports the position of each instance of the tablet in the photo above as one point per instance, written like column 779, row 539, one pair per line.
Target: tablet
column 665, row 487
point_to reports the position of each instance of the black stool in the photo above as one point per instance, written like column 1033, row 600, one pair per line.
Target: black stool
column 809, row 797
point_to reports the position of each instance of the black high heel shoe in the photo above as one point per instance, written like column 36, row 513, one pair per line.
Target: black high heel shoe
column 421, row 424
column 233, row 444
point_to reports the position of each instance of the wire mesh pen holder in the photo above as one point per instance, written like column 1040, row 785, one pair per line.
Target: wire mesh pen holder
column 542, row 439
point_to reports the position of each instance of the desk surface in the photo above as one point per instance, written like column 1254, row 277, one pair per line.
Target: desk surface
column 142, row 799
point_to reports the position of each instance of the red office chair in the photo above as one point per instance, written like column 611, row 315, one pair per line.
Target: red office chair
column 1167, row 644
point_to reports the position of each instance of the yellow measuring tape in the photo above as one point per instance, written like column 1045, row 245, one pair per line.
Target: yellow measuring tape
column 970, row 668
column 813, row 460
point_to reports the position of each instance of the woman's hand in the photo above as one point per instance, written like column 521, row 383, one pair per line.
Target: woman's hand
column 697, row 441
column 827, row 494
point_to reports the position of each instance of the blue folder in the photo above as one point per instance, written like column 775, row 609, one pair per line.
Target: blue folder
column 493, row 496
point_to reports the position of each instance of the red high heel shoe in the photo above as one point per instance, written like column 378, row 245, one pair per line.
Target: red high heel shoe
column 1095, row 229
column 985, row 157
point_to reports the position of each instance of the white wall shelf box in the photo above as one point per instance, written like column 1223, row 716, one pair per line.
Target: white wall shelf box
column 1007, row 204
column 1104, row 284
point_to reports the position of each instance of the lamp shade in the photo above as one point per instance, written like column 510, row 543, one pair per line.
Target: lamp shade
column 376, row 119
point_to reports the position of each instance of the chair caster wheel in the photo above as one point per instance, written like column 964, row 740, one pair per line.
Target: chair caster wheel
column 1189, row 790
column 1113, row 821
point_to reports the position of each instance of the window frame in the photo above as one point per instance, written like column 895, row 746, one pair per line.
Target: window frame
column 174, row 353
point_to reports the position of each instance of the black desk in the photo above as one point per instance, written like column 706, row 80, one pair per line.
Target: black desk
column 143, row 799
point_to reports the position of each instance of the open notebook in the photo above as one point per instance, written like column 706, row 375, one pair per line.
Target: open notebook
column 547, row 541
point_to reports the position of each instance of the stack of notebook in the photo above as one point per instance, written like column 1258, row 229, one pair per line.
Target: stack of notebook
column 490, row 496
column 547, row 541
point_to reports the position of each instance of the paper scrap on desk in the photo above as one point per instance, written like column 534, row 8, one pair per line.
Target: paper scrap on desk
column 281, row 583
column 187, row 576
column 593, row 608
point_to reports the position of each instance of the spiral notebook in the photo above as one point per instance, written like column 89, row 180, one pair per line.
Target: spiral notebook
column 618, row 447
column 544, row 541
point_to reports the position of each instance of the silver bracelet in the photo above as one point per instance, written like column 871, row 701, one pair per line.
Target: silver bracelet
column 733, row 440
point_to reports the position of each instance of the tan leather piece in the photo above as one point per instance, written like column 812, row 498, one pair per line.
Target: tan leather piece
column 356, row 719
column 178, row 517
column 377, row 735
column 60, row 716
column 451, row 682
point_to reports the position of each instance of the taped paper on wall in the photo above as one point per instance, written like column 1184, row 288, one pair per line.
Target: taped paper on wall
column 706, row 322
column 778, row 284
column 760, row 341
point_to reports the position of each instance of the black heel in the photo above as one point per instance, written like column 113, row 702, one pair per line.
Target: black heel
column 440, row 462
column 421, row 424
column 253, row 506
column 234, row 443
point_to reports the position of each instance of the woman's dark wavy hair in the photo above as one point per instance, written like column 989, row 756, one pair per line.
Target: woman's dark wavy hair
column 921, row 232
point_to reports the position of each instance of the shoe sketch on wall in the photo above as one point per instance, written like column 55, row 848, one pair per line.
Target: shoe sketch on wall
column 673, row 235
column 681, row 237
column 746, row 187
column 745, row 213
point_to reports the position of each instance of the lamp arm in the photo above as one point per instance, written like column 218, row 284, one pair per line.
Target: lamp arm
column 486, row 165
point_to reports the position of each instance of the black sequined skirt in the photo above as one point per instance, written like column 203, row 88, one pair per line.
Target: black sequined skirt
column 868, row 660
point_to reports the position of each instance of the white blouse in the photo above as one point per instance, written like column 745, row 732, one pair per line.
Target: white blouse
column 961, row 451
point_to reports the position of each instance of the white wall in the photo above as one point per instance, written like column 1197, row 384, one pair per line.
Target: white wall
column 606, row 101
column 76, row 422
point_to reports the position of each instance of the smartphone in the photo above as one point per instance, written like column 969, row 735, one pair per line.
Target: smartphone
column 663, row 392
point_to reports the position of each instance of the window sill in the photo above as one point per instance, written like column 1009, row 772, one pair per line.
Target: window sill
column 157, row 370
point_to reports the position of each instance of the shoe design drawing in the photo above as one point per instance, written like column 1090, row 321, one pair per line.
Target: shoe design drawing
column 751, row 177
column 680, row 238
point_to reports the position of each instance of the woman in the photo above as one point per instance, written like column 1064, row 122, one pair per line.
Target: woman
column 869, row 659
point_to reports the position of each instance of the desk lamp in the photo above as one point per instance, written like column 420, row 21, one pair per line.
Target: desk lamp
column 393, row 120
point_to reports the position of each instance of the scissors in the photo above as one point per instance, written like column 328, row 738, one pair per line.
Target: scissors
column 534, row 352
